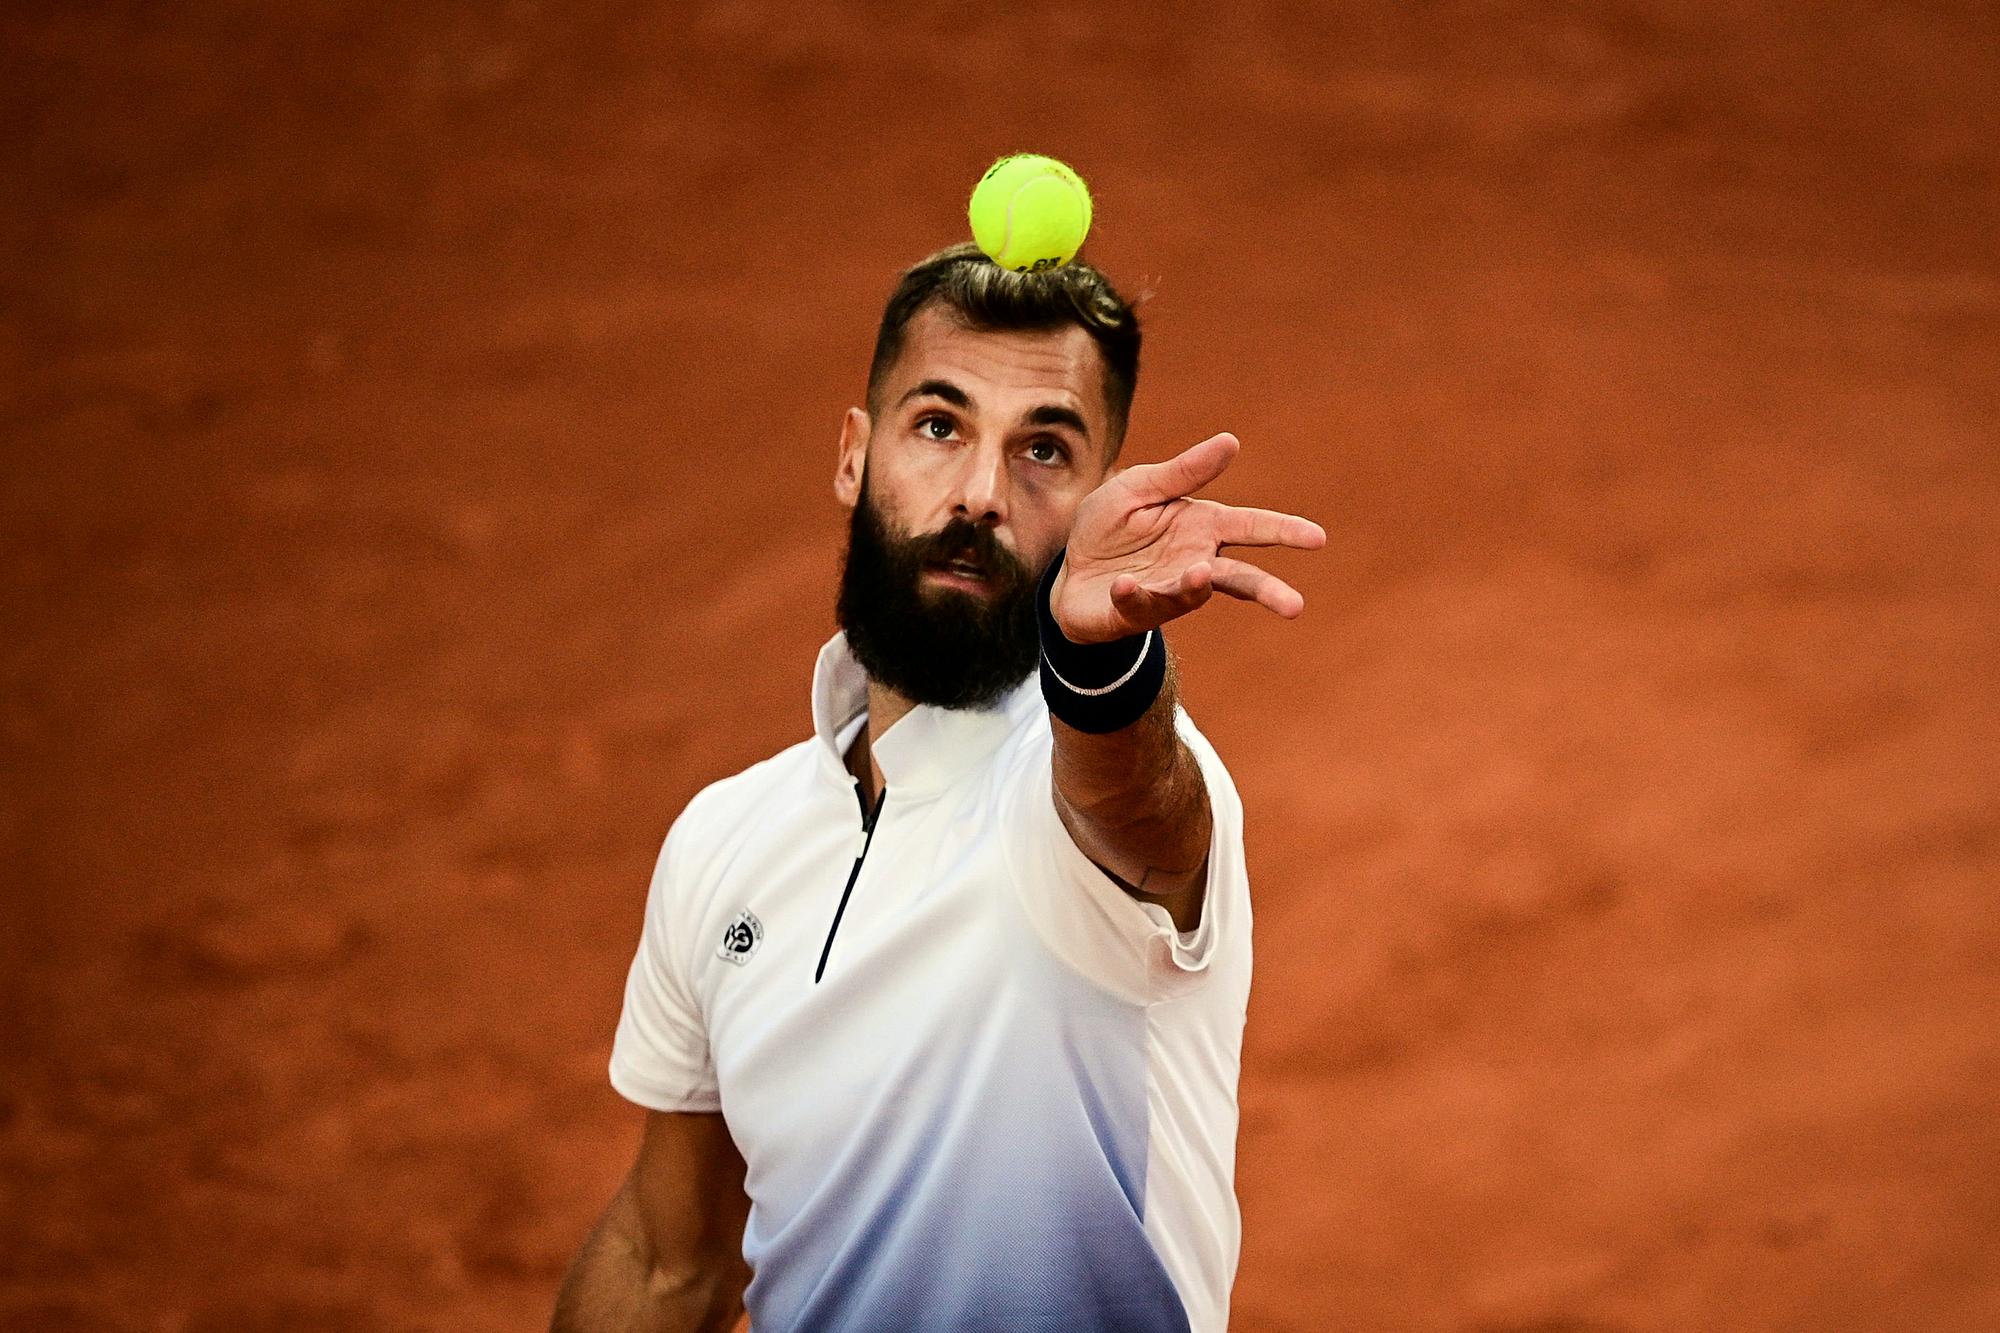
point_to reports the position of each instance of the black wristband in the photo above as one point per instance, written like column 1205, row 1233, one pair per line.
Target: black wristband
column 1097, row 687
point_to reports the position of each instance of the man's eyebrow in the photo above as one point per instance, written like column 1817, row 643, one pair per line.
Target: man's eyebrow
column 944, row 389
column 1049, row 414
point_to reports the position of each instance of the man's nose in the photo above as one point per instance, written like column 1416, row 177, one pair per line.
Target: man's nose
column 981, row 485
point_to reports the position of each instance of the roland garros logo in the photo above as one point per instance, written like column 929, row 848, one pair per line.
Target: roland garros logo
column 740, row 938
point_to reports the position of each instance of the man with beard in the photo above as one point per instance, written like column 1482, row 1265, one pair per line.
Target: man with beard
column 937, row 1014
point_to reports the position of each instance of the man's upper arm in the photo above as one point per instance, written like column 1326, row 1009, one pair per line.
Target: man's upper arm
column 666, row 1257
column 687, row 1187
column 667, row 1254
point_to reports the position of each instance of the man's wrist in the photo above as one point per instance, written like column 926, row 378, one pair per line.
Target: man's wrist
column 1096, row 687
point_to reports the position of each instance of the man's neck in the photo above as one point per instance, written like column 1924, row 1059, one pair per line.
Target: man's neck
column 885, row 709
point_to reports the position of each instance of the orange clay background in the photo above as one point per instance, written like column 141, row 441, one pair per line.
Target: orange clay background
column 418, row 431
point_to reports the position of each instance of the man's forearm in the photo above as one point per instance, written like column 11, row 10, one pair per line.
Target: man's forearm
column 616, row 1285
column 1136, row 804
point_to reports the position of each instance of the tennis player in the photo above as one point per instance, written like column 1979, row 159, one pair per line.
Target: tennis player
column 936, row 1015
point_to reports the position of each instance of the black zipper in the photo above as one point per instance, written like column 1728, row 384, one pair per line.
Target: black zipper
column 868, row 818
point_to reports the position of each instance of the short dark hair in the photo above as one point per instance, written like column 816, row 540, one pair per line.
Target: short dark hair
column 985, row 296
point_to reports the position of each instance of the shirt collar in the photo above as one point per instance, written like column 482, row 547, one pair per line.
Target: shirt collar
column 928, row 747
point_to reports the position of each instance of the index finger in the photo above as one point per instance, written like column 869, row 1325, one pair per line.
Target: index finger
column 1184, row 473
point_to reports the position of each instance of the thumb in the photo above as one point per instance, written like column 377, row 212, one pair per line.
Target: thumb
column 1184, row 473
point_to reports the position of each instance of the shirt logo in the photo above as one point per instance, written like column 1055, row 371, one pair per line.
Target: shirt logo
column 741, row 938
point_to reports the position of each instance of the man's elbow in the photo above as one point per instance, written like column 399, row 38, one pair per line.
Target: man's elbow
column 707, row 1281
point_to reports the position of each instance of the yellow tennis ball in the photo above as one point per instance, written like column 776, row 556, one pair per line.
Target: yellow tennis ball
column 1029, row 213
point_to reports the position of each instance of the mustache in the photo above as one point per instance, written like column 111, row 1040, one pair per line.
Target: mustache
column 963, row 539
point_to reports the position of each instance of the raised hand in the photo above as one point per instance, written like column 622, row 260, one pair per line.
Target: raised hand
column 1143, row 550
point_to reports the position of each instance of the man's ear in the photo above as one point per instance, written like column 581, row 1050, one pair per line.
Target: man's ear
column 854, row 429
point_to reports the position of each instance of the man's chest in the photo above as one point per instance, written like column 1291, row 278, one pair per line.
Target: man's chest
column 839, row 954
column 870, row 1037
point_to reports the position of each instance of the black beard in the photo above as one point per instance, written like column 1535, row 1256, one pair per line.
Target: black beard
column 943, row 646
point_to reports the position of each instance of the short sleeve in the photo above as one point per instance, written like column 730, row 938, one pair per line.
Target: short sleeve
column 660, row 1058
column 1130, row 948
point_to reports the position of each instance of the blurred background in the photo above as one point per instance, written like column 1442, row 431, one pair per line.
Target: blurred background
column 418, row 424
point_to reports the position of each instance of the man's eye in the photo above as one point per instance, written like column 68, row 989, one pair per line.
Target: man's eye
column 1047, row 451
column 938, row 428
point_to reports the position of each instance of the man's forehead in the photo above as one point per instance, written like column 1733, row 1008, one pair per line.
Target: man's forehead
column 1051, row 365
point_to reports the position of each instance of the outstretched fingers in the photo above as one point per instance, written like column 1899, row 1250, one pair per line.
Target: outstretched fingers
column 1266, row 527
column 1184, row 473
column 1242, row 580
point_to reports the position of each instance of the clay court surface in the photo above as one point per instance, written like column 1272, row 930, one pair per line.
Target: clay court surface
column 418, row 432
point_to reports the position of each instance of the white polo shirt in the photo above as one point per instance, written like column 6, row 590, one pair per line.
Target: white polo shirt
column 1008, row 1102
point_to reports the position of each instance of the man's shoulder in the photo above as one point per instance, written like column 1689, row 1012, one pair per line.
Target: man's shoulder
column 750, row 794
